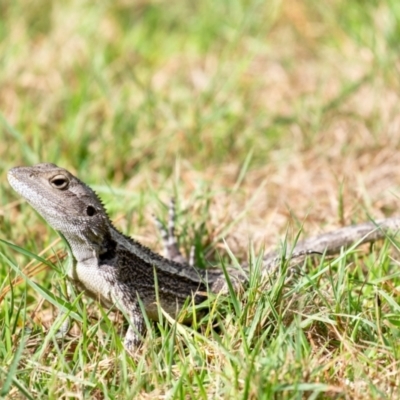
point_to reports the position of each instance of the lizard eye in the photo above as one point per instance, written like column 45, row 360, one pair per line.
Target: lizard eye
column 90, row 211
column 59, row 182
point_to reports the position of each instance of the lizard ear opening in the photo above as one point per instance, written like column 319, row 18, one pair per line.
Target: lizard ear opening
column 59, row 182
column 90, row 211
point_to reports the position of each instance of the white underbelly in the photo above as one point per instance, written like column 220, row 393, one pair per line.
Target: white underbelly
column 93, row 283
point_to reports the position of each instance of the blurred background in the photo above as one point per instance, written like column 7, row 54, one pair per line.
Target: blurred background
column 270, row 111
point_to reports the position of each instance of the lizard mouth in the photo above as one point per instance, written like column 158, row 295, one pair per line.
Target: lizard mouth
column 12, row 177
column 18, row 179
column 24, row 184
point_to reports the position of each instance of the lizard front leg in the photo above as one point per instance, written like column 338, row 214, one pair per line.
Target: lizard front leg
column 136, row 329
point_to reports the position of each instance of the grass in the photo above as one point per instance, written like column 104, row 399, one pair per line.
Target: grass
column 261, row 118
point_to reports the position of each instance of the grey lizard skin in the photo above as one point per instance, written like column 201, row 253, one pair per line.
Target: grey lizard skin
column 117, row 270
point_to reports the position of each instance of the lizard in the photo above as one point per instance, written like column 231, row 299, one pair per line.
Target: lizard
column 119, row 271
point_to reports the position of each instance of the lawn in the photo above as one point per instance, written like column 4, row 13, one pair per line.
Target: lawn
column 266, row 121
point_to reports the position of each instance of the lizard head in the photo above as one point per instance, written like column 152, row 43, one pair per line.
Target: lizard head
column 65, row 202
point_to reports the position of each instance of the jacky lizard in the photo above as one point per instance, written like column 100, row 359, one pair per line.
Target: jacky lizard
column 117, row 270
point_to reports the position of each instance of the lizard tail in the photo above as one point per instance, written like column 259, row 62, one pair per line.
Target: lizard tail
column 332, row 242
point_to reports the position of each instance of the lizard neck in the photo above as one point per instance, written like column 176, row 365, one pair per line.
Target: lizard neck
column 93, row 244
